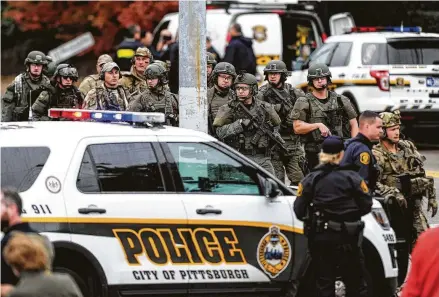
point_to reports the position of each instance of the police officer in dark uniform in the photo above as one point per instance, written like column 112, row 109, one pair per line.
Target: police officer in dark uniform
column 358, row 150
column 331, row 201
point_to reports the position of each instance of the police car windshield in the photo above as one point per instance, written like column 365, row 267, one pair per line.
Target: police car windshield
column 413, row 52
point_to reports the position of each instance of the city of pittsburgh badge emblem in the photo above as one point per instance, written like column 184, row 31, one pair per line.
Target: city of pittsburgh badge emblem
column 274, row 252
column 259, row 33
column 400, row 81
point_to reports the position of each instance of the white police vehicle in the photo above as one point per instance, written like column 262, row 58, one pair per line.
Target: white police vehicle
column 280, row 29
column 383, row 68
column 146, row 209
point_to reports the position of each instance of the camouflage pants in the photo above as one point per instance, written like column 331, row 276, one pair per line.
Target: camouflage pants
column 289, row 164
column 263, row 161
column 420, row 223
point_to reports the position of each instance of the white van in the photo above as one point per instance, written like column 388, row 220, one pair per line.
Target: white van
column 278, row 30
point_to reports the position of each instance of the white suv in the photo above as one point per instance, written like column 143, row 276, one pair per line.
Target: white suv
column 383, row 68
column 152, row 210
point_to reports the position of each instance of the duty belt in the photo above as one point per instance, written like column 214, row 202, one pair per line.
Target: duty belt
column 351, row 228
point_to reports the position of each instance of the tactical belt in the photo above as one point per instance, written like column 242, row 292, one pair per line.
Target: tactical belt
column 252, row 152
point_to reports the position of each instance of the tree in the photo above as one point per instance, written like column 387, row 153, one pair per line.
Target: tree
column 69, row 19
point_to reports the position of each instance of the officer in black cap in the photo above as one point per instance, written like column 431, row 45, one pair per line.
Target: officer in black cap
column 331, row 201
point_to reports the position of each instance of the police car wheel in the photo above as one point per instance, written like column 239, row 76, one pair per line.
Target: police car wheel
column 78, row 279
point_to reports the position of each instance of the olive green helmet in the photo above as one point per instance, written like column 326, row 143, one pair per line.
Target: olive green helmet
column 247, row 79
column 275, row 66
column 318, row 70
column 161, row 63
column 36, row 57
column 391, row 119
column 66, row 70
column 226, row 68
column 210, row 59
column 156, row 71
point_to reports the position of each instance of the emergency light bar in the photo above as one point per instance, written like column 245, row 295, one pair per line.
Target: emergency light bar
column 107, row 116
column 387, row 29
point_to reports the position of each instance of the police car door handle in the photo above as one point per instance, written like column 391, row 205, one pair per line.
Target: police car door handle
column 203, row 211
column 341, row 75
column 92, row 209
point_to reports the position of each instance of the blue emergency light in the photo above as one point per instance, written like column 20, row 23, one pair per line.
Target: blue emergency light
column 107, row 115
column 387, row 29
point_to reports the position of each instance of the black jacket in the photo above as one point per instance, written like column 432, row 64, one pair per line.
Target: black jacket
column 240, row 54
column 339, row 192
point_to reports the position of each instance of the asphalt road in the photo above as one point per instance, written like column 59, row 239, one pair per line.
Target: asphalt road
column 432, row 168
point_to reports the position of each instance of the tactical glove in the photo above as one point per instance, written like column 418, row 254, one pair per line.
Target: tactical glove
column 432, row 204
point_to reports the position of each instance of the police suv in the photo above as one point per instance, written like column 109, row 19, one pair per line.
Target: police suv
column 383, row 68
column 134, row 207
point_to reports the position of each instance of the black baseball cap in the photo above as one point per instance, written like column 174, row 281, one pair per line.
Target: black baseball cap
column 332, row 145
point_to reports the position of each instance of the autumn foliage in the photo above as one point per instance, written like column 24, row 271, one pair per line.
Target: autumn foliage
column 103, row 18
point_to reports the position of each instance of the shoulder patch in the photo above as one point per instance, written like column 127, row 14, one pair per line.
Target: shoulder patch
column 365, row 158
column 299, row 190
column 364, row 187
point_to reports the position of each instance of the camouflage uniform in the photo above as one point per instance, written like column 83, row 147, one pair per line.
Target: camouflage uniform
column 283, row 100
column 157, row 99
column 333, row 112
column 92, row 81
column 403, row 174
column 210, row 61
column 58, row 97
column 24, row 90
column 132, row 81
column 216, row 96
column 230, row 128
column 103, row 98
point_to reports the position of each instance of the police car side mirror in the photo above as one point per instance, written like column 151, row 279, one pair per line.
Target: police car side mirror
column 271, row 188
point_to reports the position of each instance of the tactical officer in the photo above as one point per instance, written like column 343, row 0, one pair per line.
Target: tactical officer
column 91, row 81
column 247, row 124
column 403, row 176
column 321, row 113
column 134, row 80
column 63, row 95
column 211, row 63
column 166, row 67
column 110, row 95
column 222, row 76
column 283, row 96
column 24, row 90
column 331, row 201
column 156, row 98
column 358, row 150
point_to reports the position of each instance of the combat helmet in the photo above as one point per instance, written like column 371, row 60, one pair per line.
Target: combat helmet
column 36, row 57
column 225, row 68
column 161, row 63
column 318, row 70
column 210, row 59
column 247, row 79
column 156, row 71
column 391, row 119
column 276, row 66
column 66, row 70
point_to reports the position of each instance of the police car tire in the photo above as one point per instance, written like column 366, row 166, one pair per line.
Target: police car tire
column 82, row 273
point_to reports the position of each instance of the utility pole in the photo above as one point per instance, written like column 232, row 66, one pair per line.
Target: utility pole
column 192, row 65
